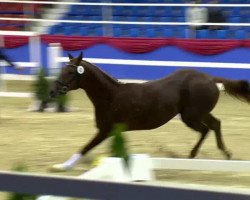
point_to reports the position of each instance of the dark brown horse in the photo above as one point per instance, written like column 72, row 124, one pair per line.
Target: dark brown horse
column 145, row 106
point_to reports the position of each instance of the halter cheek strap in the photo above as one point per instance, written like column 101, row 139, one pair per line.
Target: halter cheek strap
column 65, row 86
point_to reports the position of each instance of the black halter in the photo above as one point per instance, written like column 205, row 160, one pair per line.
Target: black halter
column 65, row 86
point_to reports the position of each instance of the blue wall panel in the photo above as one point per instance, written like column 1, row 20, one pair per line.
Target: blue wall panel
column 168, row 53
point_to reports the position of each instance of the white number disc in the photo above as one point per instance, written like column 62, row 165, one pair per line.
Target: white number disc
column 80, row 70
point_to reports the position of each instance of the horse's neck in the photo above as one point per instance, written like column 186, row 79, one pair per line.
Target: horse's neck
column 101, row 87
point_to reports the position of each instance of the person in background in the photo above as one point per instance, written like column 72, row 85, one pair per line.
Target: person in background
column 215, row 15
column 196, row 14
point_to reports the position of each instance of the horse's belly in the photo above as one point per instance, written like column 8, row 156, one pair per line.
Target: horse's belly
column 140, row 113
column 148, row 121
column 146, row 125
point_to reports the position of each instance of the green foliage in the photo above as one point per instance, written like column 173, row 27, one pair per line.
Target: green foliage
column 18, row 196
column 41, row 86
column 62, row 99
column 20, row 168
column 118, row 143
column 41, row 90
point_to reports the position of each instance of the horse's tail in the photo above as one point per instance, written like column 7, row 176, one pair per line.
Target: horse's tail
column 237, row 88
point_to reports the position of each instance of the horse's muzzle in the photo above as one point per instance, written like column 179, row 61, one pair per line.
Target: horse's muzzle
column 64, row 90
column 55, row 93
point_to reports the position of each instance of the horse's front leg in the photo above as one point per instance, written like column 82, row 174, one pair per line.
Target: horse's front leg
column 75, row 158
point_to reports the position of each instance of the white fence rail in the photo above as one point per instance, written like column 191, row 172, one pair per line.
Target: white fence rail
column 96, row 189
column 54, row 53
column 34, row 47
column 201, row 164
column 34, row 53
column 122, row 22
column 161, row 63
column 124, row 4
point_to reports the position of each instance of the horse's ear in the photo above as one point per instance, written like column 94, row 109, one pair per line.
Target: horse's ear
column 70, row 56
column 81, row 55
column 79, row 59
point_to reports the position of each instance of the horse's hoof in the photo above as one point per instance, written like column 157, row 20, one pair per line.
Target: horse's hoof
column 192, row 154
column 59, row 168
column 228, row 155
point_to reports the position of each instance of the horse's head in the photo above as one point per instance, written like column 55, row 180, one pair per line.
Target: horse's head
column 69, row 77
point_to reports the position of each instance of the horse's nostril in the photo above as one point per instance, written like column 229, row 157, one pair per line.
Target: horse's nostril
column 64, row 89
column 52, row 94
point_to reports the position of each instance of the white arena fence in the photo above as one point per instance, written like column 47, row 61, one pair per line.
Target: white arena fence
column 34, row 55
column 34, row 46
column 122, row 22
column 55, row 59
column 88, row 187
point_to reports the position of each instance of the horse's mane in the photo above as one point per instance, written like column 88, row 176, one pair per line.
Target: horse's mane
column 99, row 71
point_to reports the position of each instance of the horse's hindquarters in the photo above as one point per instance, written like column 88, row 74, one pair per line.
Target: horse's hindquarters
column 202, row 97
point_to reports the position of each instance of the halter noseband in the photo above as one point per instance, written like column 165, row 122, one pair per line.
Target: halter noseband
column 65, row 86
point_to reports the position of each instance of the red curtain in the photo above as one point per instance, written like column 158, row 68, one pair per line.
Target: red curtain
column 207, row 46
column 138, row 45
column 131, row 45
column 15, row 41
column 246, row 43
column 72, row 42
column 134, row 45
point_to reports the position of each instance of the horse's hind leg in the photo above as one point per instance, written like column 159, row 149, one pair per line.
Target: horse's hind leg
column 215, row 125
column 195, row 124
